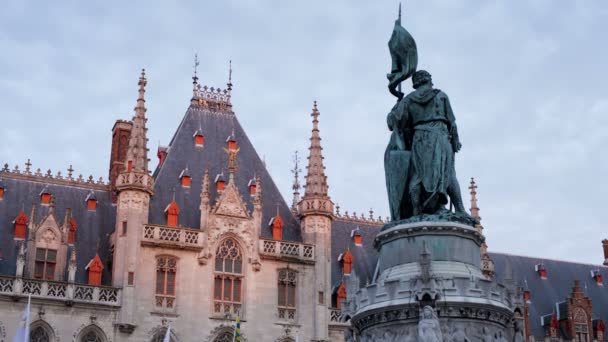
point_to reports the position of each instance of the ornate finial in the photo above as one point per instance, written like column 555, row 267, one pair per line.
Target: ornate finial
column 474, row 209
column 70, row 171
column 337, row 209
column 142, row 81
column 28, row 164
column 230, row 75
column 399, row 17
column 371, row 213
column 196, row 63
column 296, row 181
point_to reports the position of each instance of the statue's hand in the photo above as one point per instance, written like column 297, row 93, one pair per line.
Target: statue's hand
column 456, row 146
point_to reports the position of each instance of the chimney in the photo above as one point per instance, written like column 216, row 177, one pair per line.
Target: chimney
column 161, row 153
column 120, row 141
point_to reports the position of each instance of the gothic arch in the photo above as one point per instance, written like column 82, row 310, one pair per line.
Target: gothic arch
column 158, row 334
column 91, row 333
column 242, row 245
column 41, row 331
column 223, row 333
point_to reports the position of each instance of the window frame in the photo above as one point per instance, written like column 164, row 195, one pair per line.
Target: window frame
column 287, row 294
column 166, row 276
column 45, row 263
column 228, row 278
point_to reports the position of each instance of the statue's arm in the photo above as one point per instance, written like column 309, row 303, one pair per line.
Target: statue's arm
column 454, row 138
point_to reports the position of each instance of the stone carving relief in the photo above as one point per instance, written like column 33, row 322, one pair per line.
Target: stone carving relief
column 2, row 332
column 231, row 203
column 428, row 326
column 133, row 200
column 223, row 333
column 90, row 333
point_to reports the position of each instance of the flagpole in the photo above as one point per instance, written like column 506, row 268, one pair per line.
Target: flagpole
column 26, row 336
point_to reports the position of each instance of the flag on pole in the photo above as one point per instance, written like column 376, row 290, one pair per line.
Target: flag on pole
column 23, row 330
column 167, row 335
column 237, row 330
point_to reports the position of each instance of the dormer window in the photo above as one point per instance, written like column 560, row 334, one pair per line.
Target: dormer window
column 172, row 212
column 277, row 227
column 129, row 166
column 347, row 261
column 45, row 196
column 20, row 223
column 231, row 141
column 72, row 231
column 357, row 238
column 541, row 270
column 597, row 276
column 252, row 187
column 527, row 296
column 185, row 177
column 95, row 266
column 199, row 139
column 220, row 182
column 1, row 190
column 340, row 295
column 91, row 201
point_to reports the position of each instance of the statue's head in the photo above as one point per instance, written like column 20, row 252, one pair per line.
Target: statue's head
column 421, row 77
column 427, row 312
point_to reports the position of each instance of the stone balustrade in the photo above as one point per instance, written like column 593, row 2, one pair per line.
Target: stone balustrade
column 172, row 237
column 62, row 291
column 287, row 250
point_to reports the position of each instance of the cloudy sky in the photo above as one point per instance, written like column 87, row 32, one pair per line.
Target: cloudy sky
column 526, row 80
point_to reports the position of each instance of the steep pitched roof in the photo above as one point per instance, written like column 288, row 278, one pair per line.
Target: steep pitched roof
column 364, row 257
column 215, row 126
column 93, row 226
column 545, row 293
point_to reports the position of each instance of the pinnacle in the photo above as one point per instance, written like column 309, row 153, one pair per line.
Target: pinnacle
column 316, row 181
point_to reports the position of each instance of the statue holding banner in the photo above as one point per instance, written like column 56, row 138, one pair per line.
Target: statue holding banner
column 419, row 159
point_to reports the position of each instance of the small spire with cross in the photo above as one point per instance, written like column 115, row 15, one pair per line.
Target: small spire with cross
column 70, row 172
column 229, row 75
column 296, row 181
column 474, row 209
column 28, row 165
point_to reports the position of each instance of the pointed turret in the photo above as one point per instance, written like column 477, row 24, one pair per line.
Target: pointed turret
column 135, row 175
column 137, row 152
column 316, row 181
column 316, row 213
column 316, row 199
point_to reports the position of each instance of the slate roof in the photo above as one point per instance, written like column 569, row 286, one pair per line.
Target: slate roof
column 93, row 226
column 182, row 153
column 545, row 293
column 364, row 257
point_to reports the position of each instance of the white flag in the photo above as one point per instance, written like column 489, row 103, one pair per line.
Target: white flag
column 23, row 330
column 167, row 335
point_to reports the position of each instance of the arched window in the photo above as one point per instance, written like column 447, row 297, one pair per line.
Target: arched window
column 159, row 336
column 228, row 279
column 166, row 270
column 287, row 294
column 91, row 333
column 40, row 331
column 225, row 336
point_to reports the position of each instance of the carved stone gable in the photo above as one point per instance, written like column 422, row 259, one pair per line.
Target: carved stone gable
column 231, row 203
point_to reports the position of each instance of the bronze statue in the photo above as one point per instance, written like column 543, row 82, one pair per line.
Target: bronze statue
column 419, row 159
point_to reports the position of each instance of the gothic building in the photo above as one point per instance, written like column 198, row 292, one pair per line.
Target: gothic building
column 206, row 236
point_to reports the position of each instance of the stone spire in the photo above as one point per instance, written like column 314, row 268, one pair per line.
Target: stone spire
column 296, row 182
column 137, row 151
column 474, row 208
column 316, row 181
column 316, row 199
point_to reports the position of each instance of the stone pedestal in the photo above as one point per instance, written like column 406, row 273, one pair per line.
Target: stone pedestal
column 435, row 264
